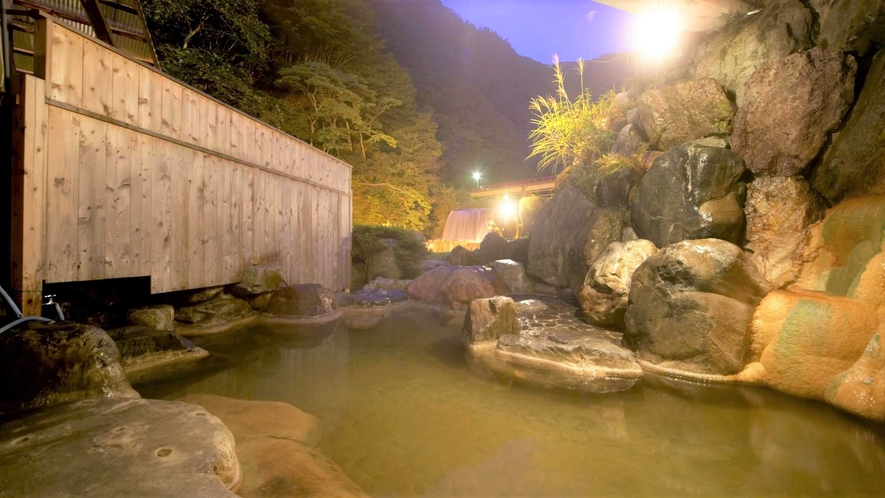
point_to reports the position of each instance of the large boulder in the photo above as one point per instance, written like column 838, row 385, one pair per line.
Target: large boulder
column 557, row 241
column 118, row 447
column 615, row 181
column 791, row 106
column 607, row 285
column 489, row 319
column 383, row 262
column 586, row 361
column 276, row 447
column 690, row 307
column 804, row 339
column 850, row 25
column 630, row 140
column 529, row 207
column 460, row 256
column 258, row 279
column 732, row 55
column 779, row 211
column 854, row 165
column 47, row 364
column 861, row 388
column 454, row 286
column 688, row 110
column 301, row 301
column 606, row 226
column 512, row 274
column 492, row 248
column 691, row 192
column 160, row 317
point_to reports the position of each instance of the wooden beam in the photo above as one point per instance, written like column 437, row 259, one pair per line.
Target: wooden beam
column 120, row 6
column 97, row 20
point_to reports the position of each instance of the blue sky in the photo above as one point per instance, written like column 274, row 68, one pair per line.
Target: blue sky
column 540, row 28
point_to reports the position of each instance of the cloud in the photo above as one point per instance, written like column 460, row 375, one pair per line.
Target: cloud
column 590, row 16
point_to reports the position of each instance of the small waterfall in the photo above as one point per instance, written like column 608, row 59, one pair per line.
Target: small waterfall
column 465, row 228
column 468, row 224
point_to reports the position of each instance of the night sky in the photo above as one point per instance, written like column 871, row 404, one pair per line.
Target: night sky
column 541, row 28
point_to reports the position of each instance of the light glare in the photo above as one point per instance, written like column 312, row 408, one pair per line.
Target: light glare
column 656, row 33
column 507, row 209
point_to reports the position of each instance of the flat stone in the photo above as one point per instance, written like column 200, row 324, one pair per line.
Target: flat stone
column 370, row 298
column 151, row 355
column 212, row 316
column 118, row 447
column 161, row 317
column 389, row 283
column 204, row 295
column 530, row 306
column 584, row 360
column 513, row 275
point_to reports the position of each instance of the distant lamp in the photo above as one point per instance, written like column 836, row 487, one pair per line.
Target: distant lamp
column 477, row 176
column 507, row 209
column 656, row 33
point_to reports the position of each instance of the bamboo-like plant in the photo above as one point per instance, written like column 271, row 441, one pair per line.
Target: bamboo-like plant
column 567, row 131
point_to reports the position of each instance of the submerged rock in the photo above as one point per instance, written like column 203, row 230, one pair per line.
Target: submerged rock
column 149, row 355
column 221, row 313
column 779, row 211
column 732, row 55
column 790, row 107
column 854, row 165
column 53, row 363
column 607, row 285
column 118, row 447
column 690, row 307
column 565, row 358
column 559, row 232
column 513, row 275
column 301, row 301
column 276, row 447
column 390, row 284
column 688, row 110
column 161, row 317
column 691, row 192
column 489, row 319
column 366, row 298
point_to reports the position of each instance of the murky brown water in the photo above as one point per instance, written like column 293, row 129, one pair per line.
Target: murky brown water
column 404, row 414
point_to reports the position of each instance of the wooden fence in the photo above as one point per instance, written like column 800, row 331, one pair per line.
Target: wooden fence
column 122, row 171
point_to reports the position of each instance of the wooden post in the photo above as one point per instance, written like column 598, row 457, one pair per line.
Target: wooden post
column 28, row 193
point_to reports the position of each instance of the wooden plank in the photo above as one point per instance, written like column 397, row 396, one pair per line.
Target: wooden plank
column 235, row 135
column 161, row 216
column 190, row 118
column 260, row 219
column 195, row 202
column 150, row 99
column 222, row 129
column 226, row 225
column 182, row 160
column 29, row 195
column 209, row 124
column 92, row 202
column 66, row 74
column 61, row 197
column 140, row 204
column 97, row 79
column 117, row 184
column 284, row 242
column 247, row 229
column 170, row 113
column 210, row 221
column 125, row 90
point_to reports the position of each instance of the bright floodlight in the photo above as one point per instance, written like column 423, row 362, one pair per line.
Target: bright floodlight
column 477, row 175
column 507, row 209
column 656, row 33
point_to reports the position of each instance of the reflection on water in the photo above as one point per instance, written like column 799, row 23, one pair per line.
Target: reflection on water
column 404, row 414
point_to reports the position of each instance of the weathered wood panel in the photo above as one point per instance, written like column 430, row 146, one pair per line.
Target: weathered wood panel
column 123, row 171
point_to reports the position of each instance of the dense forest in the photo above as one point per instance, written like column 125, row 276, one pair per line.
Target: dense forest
column 407, row 92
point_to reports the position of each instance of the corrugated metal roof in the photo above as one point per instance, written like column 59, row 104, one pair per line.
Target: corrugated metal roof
column 128, row 32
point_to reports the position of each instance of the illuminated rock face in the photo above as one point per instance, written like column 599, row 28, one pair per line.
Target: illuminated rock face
column 734, row 53
column 558, row 234
column 607, row 285
column 850, row 25
column 779, row 211
column 790, row 106
column 690, row 306
column 691, row 192
column 489, row 319
column 686, row 111
column 455, row 286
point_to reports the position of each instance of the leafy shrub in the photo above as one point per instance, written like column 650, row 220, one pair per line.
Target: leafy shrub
column 409, row 251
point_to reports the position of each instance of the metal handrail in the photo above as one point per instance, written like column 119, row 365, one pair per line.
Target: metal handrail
column 20, row 318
